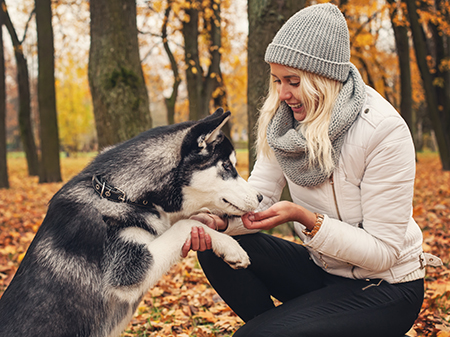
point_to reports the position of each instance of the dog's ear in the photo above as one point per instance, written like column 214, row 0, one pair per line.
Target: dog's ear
column 204, row 132
column 209, row 127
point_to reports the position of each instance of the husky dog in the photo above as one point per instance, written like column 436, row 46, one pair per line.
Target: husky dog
column 113, row 230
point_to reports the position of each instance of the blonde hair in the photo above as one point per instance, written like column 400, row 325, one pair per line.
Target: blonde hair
column 318, row 95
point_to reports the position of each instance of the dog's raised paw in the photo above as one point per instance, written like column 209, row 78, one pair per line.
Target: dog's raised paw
column 232, row 253
column 238, row 264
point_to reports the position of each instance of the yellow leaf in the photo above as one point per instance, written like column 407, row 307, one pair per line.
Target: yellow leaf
column 20, row 257
column 443, row 334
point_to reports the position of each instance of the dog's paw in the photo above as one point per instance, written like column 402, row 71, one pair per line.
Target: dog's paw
column 241, row 263
column 231, row 252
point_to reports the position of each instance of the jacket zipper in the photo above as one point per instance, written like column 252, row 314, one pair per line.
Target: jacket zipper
column 335, row 198
column 325, row 265
column 339, row 214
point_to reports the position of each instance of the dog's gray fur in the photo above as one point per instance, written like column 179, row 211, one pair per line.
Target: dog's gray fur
column 93, row 259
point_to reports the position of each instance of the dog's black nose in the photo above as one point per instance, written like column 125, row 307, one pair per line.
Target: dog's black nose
column 260, row 197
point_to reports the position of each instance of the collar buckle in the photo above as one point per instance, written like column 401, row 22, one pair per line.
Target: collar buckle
column 104, row 190
column 107, row 191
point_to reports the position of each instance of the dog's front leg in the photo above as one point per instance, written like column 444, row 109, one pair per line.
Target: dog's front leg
column 166, row 249
column 228, row 249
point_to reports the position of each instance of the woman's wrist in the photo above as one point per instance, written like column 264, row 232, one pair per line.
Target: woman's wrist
column 305, row 217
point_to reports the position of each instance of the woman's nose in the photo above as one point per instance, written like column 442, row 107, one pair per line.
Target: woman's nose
column 284, row 92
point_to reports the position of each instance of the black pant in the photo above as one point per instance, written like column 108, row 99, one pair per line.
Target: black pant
column 315, row 303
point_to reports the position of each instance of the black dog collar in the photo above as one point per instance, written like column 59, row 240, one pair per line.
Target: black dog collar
column 115, row 194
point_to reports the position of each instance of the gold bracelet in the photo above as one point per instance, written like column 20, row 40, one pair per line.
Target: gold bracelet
column 317, row 225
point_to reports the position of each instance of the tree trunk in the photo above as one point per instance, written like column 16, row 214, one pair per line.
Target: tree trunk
column 25, row 125
column 220, row 100
column 194, row 72
column 265, row 19
column 402, row 45
column 170, row 101
column 3, row 167
column 201, row 86
column 369, row 79
column 119, row 94
column 439, row 122
column 439, row 43
column 50, row 170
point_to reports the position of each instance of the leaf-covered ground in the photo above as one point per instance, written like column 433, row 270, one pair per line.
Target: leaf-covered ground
column 183, row 303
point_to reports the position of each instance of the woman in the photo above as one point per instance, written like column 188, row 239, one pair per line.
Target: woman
column 348, row 159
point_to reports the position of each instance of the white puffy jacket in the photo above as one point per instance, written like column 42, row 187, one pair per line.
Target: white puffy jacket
column 368, row 230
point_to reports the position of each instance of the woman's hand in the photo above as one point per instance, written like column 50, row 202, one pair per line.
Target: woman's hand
column 278, row 214
column 199, row 240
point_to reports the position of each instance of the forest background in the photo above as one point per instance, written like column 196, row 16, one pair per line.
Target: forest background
column 192, row 56
column 169, row 61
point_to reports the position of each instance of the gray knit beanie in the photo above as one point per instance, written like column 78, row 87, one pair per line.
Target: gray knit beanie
column 315, row 39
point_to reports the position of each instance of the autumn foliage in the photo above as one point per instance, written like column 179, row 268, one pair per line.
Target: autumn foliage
column 183, row 303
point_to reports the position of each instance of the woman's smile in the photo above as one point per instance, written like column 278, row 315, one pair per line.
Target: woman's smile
column 298, row 111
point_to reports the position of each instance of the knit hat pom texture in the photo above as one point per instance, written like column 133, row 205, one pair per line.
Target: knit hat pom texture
column 315, row 39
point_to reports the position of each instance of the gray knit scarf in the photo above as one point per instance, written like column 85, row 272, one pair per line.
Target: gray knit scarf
column 290, row 146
